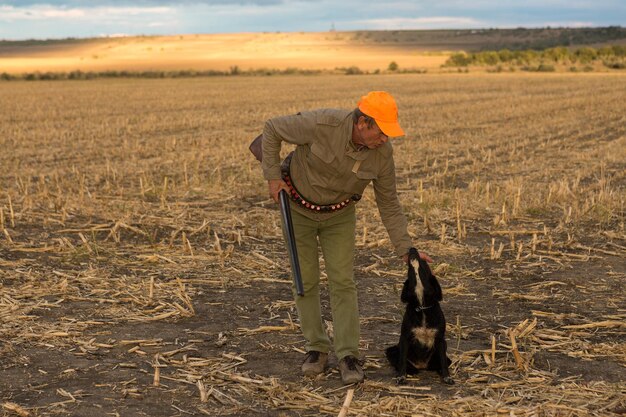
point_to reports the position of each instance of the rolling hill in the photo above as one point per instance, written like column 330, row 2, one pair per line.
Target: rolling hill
column 367, row 50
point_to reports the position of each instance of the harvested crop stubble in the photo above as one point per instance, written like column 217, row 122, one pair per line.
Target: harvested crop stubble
column 142, row 268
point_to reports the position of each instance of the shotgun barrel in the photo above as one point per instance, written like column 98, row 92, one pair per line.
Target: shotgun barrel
column 290, row 239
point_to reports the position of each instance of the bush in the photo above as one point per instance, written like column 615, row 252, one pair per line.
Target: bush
column 393, row 66
column 525, row 57
column 546, row 68
column 558, row 54
column 76, row 75
column 619, row 50
column 505, row 55
column 487, row 57
column 459, row 59
column 49, row 76
column 615, row 64
column 552, row 55
column 605, row 51
column 291, row 70
column 497, row 68
column 585, row 55
column 353, row 70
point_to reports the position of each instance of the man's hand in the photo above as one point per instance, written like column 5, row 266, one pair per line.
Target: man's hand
column 423, row 256
column 275, row 186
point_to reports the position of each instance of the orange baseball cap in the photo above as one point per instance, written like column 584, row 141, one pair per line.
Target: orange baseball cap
column 382, row 107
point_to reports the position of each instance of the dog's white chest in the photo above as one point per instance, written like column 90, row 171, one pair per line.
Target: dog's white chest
column 425, row 336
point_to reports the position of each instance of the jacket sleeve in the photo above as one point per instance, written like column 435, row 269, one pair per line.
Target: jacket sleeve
column 297, row 129
column 389, row 207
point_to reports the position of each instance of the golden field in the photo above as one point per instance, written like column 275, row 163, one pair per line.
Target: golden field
column 142, row 269
column 220, row 52
column 332, row 51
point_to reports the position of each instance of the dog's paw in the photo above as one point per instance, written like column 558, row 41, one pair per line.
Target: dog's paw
column 448, row 380
column 401, row 380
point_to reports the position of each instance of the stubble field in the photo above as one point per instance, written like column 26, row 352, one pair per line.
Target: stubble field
column 142, row 269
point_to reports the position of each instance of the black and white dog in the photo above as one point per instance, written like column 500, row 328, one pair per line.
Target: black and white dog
column 422, row 337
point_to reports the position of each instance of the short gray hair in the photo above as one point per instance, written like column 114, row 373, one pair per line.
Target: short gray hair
column 356, row 115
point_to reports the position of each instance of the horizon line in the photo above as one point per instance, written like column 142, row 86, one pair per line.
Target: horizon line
column 121, row 35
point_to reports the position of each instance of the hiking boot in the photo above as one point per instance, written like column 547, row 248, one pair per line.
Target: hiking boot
column 351, row 370
column 314, row 363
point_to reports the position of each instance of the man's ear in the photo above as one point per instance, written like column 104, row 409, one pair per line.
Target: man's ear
column 361, row 123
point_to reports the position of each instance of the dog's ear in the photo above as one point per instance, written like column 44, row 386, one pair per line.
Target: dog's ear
column 408, row 289
column 436, row 288
column 414, row 265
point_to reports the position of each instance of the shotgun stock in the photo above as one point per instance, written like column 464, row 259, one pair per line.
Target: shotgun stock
column 290, row 240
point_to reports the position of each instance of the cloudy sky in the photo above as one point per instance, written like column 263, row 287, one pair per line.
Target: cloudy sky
column 42, row 19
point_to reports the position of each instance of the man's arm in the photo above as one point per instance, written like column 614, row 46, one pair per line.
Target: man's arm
column 391, row 212
column 389, row 207
column 298, row 129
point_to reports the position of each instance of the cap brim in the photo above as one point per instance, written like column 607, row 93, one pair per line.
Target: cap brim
column 391, row 129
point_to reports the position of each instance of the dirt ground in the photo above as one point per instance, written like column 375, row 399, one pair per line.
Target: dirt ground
column 112, row 381
column 111, row 275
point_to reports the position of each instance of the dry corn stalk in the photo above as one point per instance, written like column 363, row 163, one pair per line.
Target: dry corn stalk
column 346, row 404
column 17, row 409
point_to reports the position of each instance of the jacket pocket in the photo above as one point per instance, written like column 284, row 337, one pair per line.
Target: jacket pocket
column 322, row 153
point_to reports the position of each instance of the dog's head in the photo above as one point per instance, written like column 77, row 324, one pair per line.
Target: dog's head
column 421, row 280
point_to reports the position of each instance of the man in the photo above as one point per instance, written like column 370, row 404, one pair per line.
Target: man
column 338, row 153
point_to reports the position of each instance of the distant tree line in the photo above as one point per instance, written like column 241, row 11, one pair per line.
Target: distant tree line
column 90, row 75
column 612, row 56
column 233, row 71
column 543, row 38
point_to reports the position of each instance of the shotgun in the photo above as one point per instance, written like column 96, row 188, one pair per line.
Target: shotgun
column 256, row 147
column 290, row 239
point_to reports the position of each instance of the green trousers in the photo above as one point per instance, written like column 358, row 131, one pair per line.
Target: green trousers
column 336, row 238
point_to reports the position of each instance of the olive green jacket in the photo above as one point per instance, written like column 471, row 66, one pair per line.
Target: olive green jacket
column 327, row 168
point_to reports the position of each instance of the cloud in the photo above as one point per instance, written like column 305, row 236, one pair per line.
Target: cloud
column 441, row 4
column 43, row 12
column 566, row 24
column 84, row 18
column 113, row 35
column 116, row 3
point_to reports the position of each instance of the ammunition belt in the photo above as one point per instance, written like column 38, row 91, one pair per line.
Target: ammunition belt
column 302, row 202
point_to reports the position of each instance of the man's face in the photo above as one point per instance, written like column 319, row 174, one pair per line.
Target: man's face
column 370, row 137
